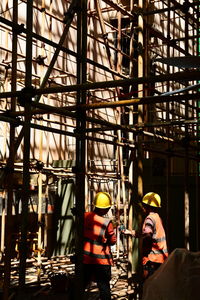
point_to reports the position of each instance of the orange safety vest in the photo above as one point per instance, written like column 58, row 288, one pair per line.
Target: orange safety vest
column 95, row 249
column 159, row 251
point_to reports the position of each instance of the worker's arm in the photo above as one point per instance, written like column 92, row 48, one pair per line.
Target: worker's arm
column 147, row 231
column 130, row 232
column 136, row 234
column 110, row 235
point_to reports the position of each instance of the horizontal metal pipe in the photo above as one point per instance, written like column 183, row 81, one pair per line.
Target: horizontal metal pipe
column 138, row 101
column 171, row 153
column 129, row 144
column 170, row 123
column 178, row 76
column 171, row 8
column 67, row 133
column 119, row 8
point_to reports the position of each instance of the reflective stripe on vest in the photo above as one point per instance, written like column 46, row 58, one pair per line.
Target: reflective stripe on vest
column 95, row 250
column 159, row 250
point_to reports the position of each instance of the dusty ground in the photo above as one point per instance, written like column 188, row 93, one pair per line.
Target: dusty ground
column 53, row 290
column 119, row 288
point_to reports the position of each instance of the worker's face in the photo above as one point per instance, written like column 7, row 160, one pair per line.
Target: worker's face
column 102, row 211
column 146, row 208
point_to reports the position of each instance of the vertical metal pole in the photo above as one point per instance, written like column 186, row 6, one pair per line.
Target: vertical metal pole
column 186, row 200
column 138, row 159
column 168, row 130
column 197, row 204
column 186, row 175
column 131, row 170
column 3, row 223
column 140, row 94
column 197, row 163
column 80, row 145
column 40, row 226
column 119, row 42
column 10, row 164
column 103, row 28
column 26, row 157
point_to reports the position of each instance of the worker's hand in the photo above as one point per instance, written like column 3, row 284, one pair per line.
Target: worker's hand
column 129, row 232
column 104, row 240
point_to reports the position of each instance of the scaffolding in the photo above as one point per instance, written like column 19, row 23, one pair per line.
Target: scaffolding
column 112, row 86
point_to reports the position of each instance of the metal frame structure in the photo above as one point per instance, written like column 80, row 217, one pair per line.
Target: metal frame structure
column 150, row 110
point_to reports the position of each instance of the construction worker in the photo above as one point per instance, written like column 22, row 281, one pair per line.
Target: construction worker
column 98, row 237
column 154, row 245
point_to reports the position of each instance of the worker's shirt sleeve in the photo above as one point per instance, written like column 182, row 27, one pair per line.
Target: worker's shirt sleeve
column 148, row 226
column 110, row 235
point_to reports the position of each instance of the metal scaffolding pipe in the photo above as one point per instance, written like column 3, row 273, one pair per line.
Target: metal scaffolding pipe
column 80, row 148
column 62, row 111
column 10, row 165
column 68, row 19
column 101, row 122
column 78, row 113
column 162, row 10
column 137, row 101
column 178, row 76
column 118, row 8
column 104, row 33
column 171, row 153
column 26, row 156
column 38, row 37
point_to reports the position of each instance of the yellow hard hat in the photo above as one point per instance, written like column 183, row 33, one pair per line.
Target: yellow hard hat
column 102, row 200
column 152, row 199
